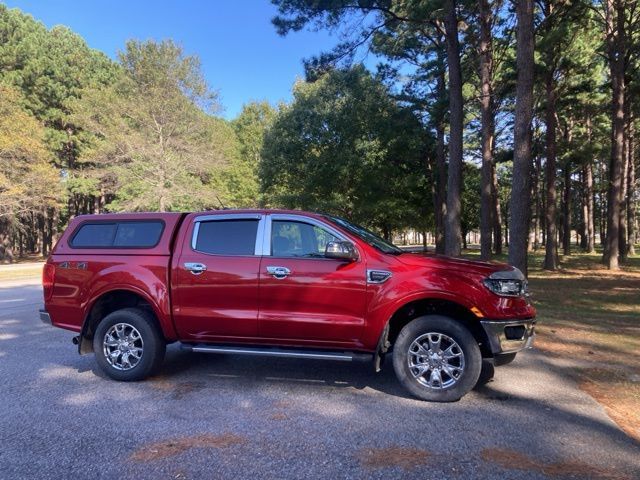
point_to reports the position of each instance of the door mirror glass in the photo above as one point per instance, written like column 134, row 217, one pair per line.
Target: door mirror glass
column 341, row 250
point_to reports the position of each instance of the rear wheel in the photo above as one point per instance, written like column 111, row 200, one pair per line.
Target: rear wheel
column 128, row 344
column 437, row 359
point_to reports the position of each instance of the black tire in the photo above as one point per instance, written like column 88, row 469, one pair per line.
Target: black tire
column 487, row 372
column 504, row 359
column 153, row 344
column 438, row 324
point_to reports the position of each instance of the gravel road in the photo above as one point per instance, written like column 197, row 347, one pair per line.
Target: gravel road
column 207, row 416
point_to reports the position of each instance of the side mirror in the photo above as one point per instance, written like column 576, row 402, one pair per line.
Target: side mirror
column 341, row 251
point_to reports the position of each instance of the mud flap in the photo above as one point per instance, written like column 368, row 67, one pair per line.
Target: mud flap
column 381, row 350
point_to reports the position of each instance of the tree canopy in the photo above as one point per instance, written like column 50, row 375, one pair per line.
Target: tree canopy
column 345, row 146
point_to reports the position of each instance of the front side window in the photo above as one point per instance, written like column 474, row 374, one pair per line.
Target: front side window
column 227, row 237
column 366, row 235
column 299, row 239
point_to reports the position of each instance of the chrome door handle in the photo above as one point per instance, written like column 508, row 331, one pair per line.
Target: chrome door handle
column 195, row 268
column 278, row 272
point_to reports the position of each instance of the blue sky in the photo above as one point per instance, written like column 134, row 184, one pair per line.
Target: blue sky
column 242, row 56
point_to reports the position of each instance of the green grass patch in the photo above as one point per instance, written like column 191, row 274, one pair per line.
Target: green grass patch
column 21, row 271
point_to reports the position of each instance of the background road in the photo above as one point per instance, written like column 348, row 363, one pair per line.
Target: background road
column 207, row 416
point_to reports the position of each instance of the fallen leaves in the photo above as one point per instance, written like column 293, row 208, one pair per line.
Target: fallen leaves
column 513, row 460
column 171, row 447
column 403, row 457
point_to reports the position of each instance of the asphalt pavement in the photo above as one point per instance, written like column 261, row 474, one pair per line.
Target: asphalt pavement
column 224, row 416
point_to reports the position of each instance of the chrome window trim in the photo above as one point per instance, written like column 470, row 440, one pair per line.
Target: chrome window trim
column 266, row 245
column 259, row 247
column 266, row 238
column 259, row 242
column 229, row 216
column 194, row 237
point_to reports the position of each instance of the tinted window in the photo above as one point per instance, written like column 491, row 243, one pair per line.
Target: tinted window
column 118, row 235
column 95, row 235
column 298, row 239
column 138, row 234
column 227, row 237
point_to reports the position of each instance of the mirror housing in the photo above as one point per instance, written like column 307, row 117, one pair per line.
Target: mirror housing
column 341, row 251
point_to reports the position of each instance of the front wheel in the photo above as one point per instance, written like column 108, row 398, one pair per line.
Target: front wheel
column 437, row 359
column 128, row 345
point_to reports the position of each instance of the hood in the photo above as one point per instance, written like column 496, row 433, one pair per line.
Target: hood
column 450, row 263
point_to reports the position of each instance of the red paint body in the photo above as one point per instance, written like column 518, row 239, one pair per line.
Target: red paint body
column 324, row 303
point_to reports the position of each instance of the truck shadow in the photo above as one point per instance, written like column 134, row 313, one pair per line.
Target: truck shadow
column 189, row 368
column 183, row 366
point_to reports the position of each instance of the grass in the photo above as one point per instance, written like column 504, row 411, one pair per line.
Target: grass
column 591, row 316
column 20, row 271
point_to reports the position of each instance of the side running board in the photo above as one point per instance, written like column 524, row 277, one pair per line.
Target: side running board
column 280, row 352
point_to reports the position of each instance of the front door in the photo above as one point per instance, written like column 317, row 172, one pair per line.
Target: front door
column 216, row 278
column 303, row 295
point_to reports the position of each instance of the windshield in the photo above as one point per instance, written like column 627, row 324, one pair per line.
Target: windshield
column 366, row 235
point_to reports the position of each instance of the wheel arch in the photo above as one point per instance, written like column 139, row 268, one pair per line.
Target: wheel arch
column 110, row 301
column 435, row 306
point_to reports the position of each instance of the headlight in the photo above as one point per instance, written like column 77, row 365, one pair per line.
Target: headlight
column 507, row 283
column 506, row 288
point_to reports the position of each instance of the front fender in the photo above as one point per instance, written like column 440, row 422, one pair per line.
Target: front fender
column 387, row 298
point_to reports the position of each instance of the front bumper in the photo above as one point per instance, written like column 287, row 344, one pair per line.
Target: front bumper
column 509, row 336
column 45, row 317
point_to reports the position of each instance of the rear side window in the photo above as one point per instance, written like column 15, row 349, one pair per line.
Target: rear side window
column 139, row 234
column 118, row 235
column 227, row 237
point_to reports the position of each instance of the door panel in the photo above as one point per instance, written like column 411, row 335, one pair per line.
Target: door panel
column 216, row 293
column 319, row 299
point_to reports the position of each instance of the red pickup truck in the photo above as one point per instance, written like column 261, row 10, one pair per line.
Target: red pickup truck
column 280, row 283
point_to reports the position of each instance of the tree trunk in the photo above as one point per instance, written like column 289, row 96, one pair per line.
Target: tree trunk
column 497, row 214
column 566, row 211
column 538, row 207
column 583, row 224
column 602, row 193
column 588, row 207
column 589, row 198
column 624, row 199
column 520, row 208
column 453, row 231
column 506, row 230
column 440, row 182
column 631, row 207
column 584, row 213
column 486, row 108
column 566, row 203
column 616, row 54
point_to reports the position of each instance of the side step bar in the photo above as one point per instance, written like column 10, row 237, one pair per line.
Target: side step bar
column 281, row 352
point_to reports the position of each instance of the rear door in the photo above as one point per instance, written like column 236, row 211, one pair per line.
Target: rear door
column 305, row 297
column 216, row 277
